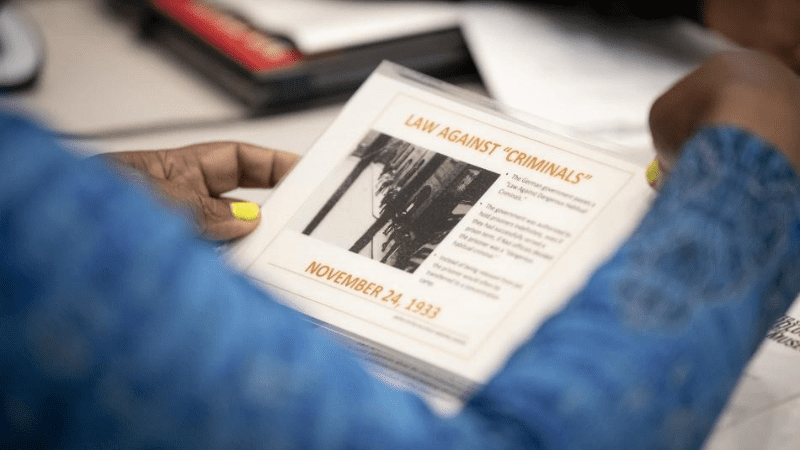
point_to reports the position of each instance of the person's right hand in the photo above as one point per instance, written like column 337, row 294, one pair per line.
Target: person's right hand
column 747, row 89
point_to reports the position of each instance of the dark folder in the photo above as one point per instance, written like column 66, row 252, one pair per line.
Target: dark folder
column 267, row 71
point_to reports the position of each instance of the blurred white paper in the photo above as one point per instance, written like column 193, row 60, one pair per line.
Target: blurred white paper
column 317, row 26
column 764, row 411
column 579, row 71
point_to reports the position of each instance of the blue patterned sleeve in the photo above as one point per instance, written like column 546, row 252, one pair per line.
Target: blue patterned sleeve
column 646, row 355
column 119, row 329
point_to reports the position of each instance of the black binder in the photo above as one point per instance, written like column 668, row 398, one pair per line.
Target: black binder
column 266, row 71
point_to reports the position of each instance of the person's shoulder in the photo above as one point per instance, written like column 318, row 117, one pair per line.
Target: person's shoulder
column 29, row 152
column 20, row 126
column 11, row 118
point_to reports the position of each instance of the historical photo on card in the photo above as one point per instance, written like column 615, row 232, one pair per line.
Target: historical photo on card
column 393, row 201
column 435, row 232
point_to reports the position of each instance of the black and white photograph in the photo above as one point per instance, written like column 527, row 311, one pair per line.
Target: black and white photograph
column 392, row 201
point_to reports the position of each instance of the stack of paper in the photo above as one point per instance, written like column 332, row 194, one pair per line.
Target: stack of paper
column 317, row 26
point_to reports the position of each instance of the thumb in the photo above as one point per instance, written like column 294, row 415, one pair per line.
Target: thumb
column 675, row 115
column 223, row 219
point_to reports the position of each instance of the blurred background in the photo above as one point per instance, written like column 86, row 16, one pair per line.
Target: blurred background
column 126, row 74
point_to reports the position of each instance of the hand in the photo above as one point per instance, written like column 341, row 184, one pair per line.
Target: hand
column 771, row 26
column 196, row 176
column 747, row 89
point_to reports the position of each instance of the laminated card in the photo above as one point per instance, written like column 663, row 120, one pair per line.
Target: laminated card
column 433, row 234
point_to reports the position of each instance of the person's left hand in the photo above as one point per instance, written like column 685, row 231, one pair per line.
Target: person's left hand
column 746, row 89
column 196, row 176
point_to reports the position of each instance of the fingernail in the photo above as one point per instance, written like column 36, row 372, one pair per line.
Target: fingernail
column 244, row 211
column 652, row 172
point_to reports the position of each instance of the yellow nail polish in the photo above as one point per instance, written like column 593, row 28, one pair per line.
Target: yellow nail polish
column 652, row 171
column 244, row 211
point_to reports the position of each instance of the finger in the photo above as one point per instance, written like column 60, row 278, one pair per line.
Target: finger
column 217, row 219
column 146, row 162
column 225, row 219
column 689, row 104
column 220, row 166
column 654, row 175
column 674, row 115
column 228, row 165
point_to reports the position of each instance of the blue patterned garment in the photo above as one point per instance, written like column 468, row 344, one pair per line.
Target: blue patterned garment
column 120, row 329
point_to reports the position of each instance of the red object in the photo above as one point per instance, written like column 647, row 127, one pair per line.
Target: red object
column 239, row 41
